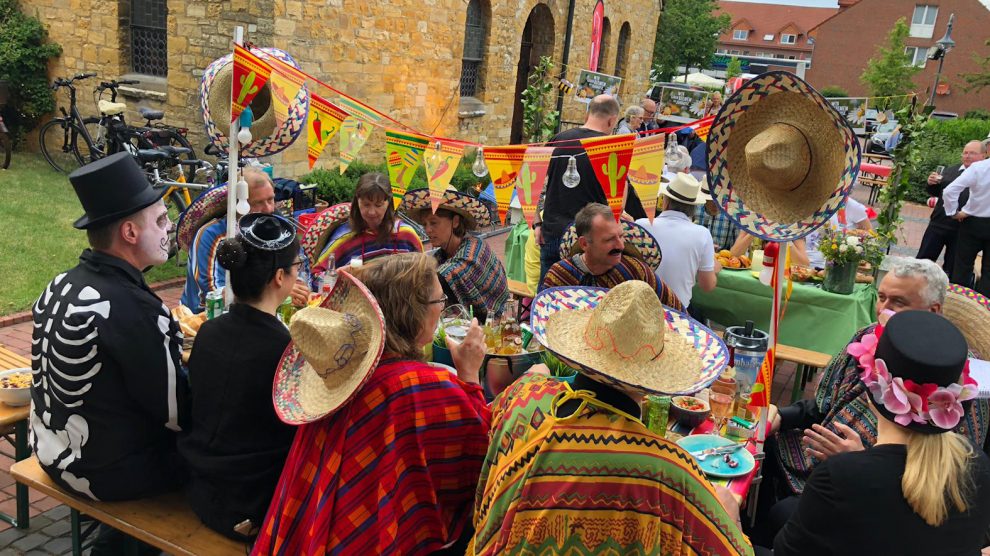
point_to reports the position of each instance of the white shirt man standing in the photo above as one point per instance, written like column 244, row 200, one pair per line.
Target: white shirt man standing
column 688, row 250
column 974, row 230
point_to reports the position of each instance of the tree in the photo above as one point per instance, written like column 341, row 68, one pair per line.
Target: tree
column 833, row 91
column 687, row 34
column 890, row 71
column 539, row 121
column 978, row 80
column 734, row 68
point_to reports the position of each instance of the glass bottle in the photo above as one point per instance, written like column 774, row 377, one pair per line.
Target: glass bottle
column 511, row 332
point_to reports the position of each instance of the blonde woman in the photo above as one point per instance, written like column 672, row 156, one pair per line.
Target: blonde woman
column 921, row 489
column 631, row 120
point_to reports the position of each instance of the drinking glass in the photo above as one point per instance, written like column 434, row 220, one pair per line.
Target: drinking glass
column 939, row 170
column 455, row 321
column 721, row 404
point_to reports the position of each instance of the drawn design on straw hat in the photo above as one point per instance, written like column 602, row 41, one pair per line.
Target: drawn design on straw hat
column 969, row 311
column 333, row 353
column 414, row 201
column 618, row 337
column 268, row 137
column 211, row 204
column 684, row 188
column 781, row 159
column 638, row 242
column 315, row 238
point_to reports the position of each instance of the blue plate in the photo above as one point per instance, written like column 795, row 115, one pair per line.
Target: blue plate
column 699, row 442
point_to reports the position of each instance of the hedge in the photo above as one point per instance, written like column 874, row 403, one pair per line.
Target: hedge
column 941, row 144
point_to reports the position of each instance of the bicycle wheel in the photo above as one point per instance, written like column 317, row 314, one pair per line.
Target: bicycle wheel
column 5, row 148
column 64, row 145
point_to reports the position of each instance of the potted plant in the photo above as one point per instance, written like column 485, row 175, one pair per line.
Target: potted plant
column 843, row 251
column 558, row 368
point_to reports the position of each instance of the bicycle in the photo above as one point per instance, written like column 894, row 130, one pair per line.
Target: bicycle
column 65, row 142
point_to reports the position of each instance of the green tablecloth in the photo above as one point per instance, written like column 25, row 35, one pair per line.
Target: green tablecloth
column 813, row 318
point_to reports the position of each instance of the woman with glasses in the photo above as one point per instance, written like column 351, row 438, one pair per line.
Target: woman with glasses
column 236, row 445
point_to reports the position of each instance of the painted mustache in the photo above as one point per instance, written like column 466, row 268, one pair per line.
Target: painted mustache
column 615, row 252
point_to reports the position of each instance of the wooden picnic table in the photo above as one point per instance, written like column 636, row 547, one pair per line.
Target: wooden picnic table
column 14, row 420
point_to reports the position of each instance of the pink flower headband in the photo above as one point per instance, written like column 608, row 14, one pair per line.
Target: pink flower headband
column 910, row 402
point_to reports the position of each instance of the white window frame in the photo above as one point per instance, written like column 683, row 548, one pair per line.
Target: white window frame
column 784, row 38
column 914, row 52
column 923, row 21
column 740, row 34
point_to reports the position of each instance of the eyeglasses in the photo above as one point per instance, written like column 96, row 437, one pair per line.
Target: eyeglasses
column 443, row 299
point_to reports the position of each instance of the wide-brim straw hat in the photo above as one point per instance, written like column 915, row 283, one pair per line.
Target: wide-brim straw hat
column 626, row 338
column 638, row 242
column 268, row 137
column 334, row 351
column 416, row 200
column 684, row 188
column 969, row 311
column 211, row 204
column 781, row 159
column 315, row 238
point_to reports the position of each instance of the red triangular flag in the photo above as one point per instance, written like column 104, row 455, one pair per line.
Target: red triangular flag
column 250, row 75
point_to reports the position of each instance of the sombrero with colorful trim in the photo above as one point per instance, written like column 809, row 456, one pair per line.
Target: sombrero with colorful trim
column 969, row 311
column 268, row 137
column 211, row 204
column 320, row 230
column 334, row 351
column 781, row 159
column 416, row 200
column 625, row 337
column 639, row 243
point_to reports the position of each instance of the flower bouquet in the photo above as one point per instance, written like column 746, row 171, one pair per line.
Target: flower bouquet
column 843, row 251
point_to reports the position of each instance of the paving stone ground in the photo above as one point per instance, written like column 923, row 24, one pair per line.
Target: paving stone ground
column 49, row 531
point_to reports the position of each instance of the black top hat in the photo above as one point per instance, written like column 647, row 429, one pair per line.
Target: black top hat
column 925, row 348
column 110, row 189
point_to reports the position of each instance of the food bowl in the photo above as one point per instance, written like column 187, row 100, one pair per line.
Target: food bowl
column 15, row 386
column 681, row 411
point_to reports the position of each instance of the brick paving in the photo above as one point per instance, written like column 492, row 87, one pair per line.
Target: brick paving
column 49, row 531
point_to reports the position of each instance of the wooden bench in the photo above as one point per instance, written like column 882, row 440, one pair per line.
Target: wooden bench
column 165, row 522
column 874, row 172
column 808, row 362
column 14, row 420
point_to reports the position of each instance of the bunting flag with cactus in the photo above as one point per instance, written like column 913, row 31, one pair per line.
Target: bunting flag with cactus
column 322, row 124
column 532, row 175
column 646, row 167
column 503, row 169
column 250, row 75
column 610, row 157
column 285, row 82
column 404, row 154
column 441, row 160
column 354, row 133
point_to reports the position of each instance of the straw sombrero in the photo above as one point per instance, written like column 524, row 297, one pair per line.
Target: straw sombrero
column 268, row 137
column 639, row 243
column 969, row 311
column 320, row 230
column 781, row 159
column 414, row 201
column 334, row 351
column 625, row 337
column 211, row 204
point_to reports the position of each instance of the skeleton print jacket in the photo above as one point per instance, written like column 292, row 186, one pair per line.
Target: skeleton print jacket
column 108, row 395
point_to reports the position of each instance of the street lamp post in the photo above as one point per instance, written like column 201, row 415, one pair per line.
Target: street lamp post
column 938, row 52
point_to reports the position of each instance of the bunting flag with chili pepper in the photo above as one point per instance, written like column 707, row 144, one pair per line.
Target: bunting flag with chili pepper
column 532, row 175
column 285, row 82
column 610, row 157
column 503, row 168
column 322, row 124
column 441, row 162
column 354, row 134
column 250, row 75
column 645, row 169
column 404, row 154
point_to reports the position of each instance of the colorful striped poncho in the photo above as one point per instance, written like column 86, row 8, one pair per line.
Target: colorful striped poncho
column 567, row 272
column 842, row 397
column 475, row 275
column 203, row 273
column 591, row 483
column 345, row 244
column 392, row 472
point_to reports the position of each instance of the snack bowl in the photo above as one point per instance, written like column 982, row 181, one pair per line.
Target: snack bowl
column 686, row 410
column 11, row 393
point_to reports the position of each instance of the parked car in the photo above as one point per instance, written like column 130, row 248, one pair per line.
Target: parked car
column 879, row 139
column 940, row 115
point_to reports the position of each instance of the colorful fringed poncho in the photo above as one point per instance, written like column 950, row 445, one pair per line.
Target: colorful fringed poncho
column 345, row 244
column 475, row 276
column 392, row 472
column 572, row 272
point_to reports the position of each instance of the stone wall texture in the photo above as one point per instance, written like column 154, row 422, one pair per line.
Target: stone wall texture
column 399, row 56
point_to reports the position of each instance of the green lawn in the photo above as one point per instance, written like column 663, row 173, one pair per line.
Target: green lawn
column 37, row 240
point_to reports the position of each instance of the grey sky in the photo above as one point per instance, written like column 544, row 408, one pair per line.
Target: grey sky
column 808, row 3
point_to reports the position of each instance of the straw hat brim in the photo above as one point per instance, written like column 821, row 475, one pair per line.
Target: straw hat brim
column 969, row 311
column 639, row 243
column 693, row 356
column 772, row 98
column 211, row 204
column 316, row 236
column 416, row 200
column 299, row 394
column 699, row 200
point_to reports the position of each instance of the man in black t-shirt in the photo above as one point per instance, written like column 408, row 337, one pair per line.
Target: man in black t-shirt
column 562, row 203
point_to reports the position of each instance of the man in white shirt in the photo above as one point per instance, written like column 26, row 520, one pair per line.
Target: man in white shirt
column 974, row 216
column 688, row 250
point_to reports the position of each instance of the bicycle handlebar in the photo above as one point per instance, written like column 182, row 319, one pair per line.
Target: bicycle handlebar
column 62, row 82
column 80, row 76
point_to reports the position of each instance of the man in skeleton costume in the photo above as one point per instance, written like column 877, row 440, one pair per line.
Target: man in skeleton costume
column 108, row 394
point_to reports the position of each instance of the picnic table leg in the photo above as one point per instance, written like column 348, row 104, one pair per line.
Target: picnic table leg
column 21, row 451
column 798, row 383
column 76, row 532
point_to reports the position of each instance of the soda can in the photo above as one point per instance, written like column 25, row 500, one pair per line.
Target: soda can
column 214, row 304
column 656, row 410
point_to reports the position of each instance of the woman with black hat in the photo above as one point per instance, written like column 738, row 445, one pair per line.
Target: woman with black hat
column 236, row 445
column 921, row 489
